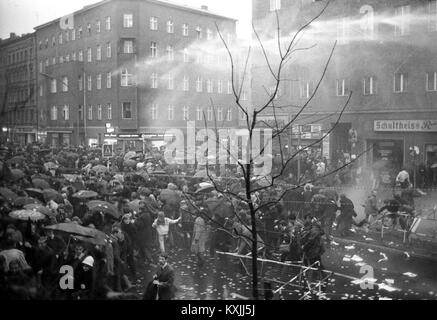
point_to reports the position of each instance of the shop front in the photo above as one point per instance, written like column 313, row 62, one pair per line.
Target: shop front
column 59, row 138
column 125, row 142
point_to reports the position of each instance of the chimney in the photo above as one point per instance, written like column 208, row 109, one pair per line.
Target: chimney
column 12, row 35
column 204, row 7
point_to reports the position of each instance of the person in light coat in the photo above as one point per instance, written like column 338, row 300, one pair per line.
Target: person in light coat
column 199, row 239
column 162, row 226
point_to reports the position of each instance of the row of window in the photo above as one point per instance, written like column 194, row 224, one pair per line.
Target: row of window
column 369, row 85
column 22, row 73
column 98, row 112
column 21, row 116
column 20, row 95
column 18, row 56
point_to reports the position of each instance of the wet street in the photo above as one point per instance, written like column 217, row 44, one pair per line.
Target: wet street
column 395, row 276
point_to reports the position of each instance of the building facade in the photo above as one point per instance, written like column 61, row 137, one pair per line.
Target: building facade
column 18, row 117
column 384, row 61
column 121, row 71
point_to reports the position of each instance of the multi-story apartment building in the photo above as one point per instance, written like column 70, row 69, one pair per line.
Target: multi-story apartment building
column 18, row 114
column 385, row 55
column 120, row 70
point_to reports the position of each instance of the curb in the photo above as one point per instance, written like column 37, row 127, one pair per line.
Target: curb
column 431, row 256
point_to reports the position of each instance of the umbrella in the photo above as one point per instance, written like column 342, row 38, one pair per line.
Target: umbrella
column 100, row 169
column 205, row 188
column 39, row 208
column 72, row 155
column 204, row 174
column 22, row 201
column 434, row 165
column 52, row 194
column 169, row 196
column 135, row 205
column 9, row 195
column 71, row 177
column 17, row 174
column 40, row 183
column 78, row 230
column 85, row 194
column 220, row 207
column 32, row 215
column 103, row 206
column 16, row 159
column 94, row 241
column 159, row 172
column 51, row 166
column 130, row 155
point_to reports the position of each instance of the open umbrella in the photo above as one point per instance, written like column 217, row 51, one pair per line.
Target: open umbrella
column 100, row 169
column 71, row 177
column 130, row 155
column 51, row 166
column 94, row 241
column 205, row 188
column 169, row 196
column 22, row 201
column 39, row 208
column 8, row 194
column 220, row 207
column 130, row 163
column 85, row 194
column 103, row 206
column 16, row 160
column 40, row 183
column 52, row 194
column 76, row 229
column 32, row 215
column 134, row 205
column 17, row 174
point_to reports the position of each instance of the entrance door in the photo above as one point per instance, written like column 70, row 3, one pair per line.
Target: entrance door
column 339, row 140
column 386, row 159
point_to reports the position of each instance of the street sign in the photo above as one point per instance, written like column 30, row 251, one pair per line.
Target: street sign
column 108, row 150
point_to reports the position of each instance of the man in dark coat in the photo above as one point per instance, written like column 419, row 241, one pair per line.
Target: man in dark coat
column 347, row 214
column 143, row 226
column 162, row 287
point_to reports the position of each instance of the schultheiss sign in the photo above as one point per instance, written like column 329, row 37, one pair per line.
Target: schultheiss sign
column 406, row 125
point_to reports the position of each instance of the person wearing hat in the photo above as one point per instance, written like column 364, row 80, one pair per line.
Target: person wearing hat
column 162, row 286
column 84, row 279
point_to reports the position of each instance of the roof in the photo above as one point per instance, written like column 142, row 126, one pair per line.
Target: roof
column 159, row 2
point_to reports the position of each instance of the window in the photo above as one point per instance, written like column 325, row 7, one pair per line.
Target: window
column 170, row 112
column 64, row 84
column 209, row 113
column 79, row 32
column 230, row 87
column 67, row 36
column 153, row 50
column 209, row 35
column 80, row 83
column 60, row 38
column 40, row 67
column 88, row 27
column 186, row 86
column 40, row 45
column 229, row 115
column 73, row 56
column 431, row 81
column 47, row 62
column 109, row 111
column 89, row 55
column 108, row 50
column 99, row 82
column 306, row 89
column 53, row 41
column 66, row 112
column 41, row 90
column 244, row 95
column 128, row 21
column 128, row 46
column 61, row 59
column 53, row 86
column 209, row 86
column 154, row 80
column 53, row 60
column 369, row 86
column 154, row 111
column 432, row 16
column 67, row 58
column 99, row 53
column 185, row 29
column 98, row 26
column 199, row 57
column 89, row 83
column 80, row 55
column 199, row 114
column 108, row 23
column 400, row 82
column 402, row 26
column 275, row 5
column 186, row 113
column 341, row 87
column 54, row 113
column 99, row 112
column 170, row 26
column 199, row 33
column 47, row 43
column 342, row 31
column 80, row 112
column 153, row 23
column 219, row 114
column 126, row 110
column 90, row 112
column 186, row 56
column 73, row 35
column 108, row 80
column 170, row 53
column 220, row 86
column 126, row 78
column 199, row 84
column 170, row 82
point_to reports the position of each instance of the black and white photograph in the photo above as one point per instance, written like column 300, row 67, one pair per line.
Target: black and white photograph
column 218, row 150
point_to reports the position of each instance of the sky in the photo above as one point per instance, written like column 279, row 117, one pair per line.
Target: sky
column 21, row 16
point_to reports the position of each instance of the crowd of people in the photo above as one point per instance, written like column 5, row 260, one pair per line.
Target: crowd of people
column 107, row 219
